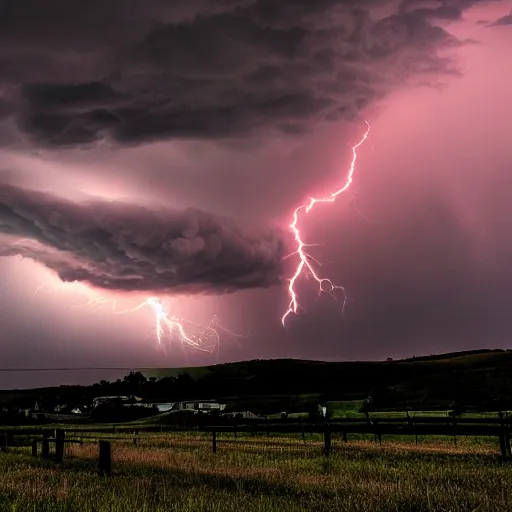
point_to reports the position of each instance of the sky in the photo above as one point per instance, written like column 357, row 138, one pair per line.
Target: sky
column 158, row 150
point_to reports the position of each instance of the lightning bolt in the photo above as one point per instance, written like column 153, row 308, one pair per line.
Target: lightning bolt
column 207, row 338
column 169, row 326
column 308, row 264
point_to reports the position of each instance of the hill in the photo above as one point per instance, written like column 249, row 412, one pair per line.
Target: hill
column 481, row 379
column 408, row 377
column 475, row 379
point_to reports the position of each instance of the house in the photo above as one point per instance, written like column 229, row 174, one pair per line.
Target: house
column 164, row 407
column 199, row 405
column 67, row 409
column 125, row 400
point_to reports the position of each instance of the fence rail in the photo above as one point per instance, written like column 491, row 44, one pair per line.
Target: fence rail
column 415, row 426
column 379, row 428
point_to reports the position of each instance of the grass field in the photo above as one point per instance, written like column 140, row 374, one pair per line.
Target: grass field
column 346, row 409
column 174, row 472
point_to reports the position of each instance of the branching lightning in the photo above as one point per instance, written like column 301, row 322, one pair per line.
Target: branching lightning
column 172, row 327
column 308, row 265
column 168, row 325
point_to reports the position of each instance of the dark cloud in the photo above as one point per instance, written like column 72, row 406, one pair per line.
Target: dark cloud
column 503, row 21
column 125, row 247
column 132, row 72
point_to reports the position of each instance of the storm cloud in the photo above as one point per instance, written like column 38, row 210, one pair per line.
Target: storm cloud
column 128, row 73
column 126, row 247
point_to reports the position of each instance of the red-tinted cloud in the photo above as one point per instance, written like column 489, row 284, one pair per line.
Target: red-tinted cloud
column 123, row 247
column 132, row 74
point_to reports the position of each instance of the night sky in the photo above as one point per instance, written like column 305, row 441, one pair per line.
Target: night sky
column 159, row 149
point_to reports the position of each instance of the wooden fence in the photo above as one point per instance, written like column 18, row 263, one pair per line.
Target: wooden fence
column 500, row 428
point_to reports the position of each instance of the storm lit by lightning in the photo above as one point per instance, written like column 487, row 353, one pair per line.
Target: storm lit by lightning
column 169, row 326
column 205, row 339
column 308, row 265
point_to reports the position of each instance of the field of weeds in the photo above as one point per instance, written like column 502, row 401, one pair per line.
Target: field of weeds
column 172, row 472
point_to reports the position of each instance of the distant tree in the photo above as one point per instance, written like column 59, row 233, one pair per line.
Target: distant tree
column 185, row 386
column 135, row 378
column 134, row 383
column 389, row 359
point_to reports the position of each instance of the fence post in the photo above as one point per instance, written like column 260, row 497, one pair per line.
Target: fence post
column 344, row 436
column 214, row 441
column 503, row 447
column 502, row 437
column 34, row 448
column 59, row 444
column 327, row 440
column 105, row 458
column 4, row 442
column 45, row 449
column 377, row 433
column 410, row 423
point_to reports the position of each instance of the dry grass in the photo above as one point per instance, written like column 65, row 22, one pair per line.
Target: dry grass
column 176, row 472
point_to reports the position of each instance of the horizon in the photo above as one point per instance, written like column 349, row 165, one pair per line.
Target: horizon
column 127, row 370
